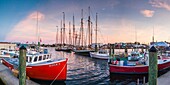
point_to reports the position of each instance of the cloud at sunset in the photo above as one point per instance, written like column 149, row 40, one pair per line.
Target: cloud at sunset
column 26, row 30
column 147, row 13
column 161, row 4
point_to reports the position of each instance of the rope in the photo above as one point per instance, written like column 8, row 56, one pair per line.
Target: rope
column 58, row 74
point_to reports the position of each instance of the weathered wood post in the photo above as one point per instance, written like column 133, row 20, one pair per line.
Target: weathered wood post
column 110, row 49
column 153, row 67
column 110, row 53
column 113, row 49
column 22, row 65
column 126, row 51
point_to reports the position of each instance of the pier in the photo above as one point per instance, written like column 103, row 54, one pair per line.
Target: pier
column 8, row 78
column 164, row 79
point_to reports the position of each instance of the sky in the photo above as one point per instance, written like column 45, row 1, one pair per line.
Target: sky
column 118, row 20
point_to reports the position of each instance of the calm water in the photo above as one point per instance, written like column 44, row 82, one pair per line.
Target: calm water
column 88, row 71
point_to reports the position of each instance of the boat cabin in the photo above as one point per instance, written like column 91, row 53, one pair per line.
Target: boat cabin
column 103, row 51
column 38, row 58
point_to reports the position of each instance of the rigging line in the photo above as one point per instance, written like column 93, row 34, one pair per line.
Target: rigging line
column 59, row 73
column 101, row 35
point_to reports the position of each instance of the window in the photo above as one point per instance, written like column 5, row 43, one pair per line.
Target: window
column 40, row 58
column 27, row 59
column 47, row 56
column 35, row 59
column 44, row 57
column 30, row 59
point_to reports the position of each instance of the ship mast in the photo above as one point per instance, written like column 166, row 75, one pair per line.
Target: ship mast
column 61, row 37
column 63, row 28
column 153, row 36
column 73, row 31
column 57, row 36
column 96, row 35
column 82, row 29
column 69, row 34
column 89, row 27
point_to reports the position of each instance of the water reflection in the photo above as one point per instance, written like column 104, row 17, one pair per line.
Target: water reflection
column 121, row 79
column 88, row 71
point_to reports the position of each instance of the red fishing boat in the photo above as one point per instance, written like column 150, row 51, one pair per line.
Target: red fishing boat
column 41, row 66
column 137, row 67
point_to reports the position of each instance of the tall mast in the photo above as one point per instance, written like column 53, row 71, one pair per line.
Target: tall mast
column 61, row 37
column 69, row 34
column 82, row 29
column 96, row 34
column 57, row 36
column 136, row 39
column 89, row 26
column 37, row 34
column 91, row 33
column 63, row 28
column 75, row 38
column 73, row 31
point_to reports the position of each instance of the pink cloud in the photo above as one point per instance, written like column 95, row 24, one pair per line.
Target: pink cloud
column 36, row 15
column 147, row 13
column 161, row 4
column 25, row 30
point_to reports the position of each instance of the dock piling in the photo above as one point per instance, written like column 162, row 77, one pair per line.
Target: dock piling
column 22, row 65
column 153, row 67
column 138, row 81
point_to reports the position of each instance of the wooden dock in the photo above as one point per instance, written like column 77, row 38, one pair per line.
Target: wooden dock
column 8, row 78
column 164, row 79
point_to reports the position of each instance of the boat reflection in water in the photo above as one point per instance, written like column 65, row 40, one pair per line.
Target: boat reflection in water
column 128, row 79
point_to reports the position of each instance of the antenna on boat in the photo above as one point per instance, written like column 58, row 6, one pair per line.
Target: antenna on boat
column 153, row 35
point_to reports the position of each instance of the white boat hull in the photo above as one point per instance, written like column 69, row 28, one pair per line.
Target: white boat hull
column 99, row 55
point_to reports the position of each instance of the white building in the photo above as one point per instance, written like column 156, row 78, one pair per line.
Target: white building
column 7, row 45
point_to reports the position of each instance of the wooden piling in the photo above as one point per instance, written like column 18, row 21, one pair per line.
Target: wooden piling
column 110, row 50
column 137, row 81
column 22, row 65
column 153, row 67
column 144, row 80
column 110, row 53
column 113, row 49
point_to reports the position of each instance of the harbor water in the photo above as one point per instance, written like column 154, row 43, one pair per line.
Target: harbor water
column 83, row 70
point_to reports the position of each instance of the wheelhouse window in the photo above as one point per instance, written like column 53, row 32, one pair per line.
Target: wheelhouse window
column 27, row 59
column 44, row 57
column 47, row 56
column 30, row 59
column 35, row 59
column 40, row 58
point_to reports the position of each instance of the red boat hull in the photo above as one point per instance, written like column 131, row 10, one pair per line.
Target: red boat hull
column 53, row 71
column 139, row 69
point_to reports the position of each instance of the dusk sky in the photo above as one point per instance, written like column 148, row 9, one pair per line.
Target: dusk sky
column 117, row 19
